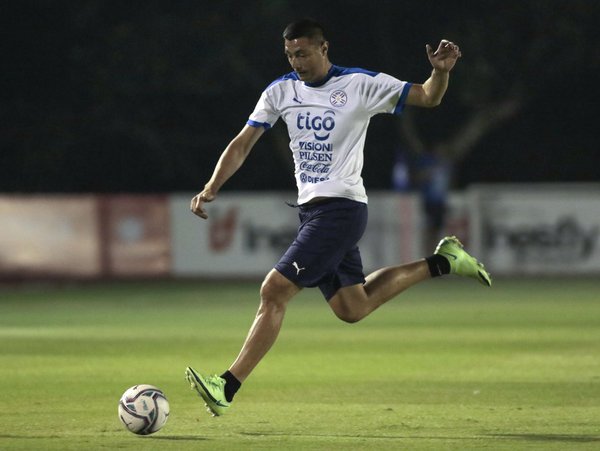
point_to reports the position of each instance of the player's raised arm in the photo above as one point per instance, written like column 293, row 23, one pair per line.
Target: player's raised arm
column 231, row 159
column 430, row 93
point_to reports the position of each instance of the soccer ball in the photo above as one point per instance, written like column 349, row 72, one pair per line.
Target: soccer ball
column 143, row 409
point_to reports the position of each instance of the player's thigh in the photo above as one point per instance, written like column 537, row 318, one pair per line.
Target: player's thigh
column 325, row 237
column 348, row 272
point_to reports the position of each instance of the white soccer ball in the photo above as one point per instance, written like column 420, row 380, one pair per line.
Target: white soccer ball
column 143, row 409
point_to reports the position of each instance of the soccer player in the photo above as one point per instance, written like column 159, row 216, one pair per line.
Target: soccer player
column 327, row 109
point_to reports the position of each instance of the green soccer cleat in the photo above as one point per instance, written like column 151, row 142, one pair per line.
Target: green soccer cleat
column 211, row 389
column 461, row 263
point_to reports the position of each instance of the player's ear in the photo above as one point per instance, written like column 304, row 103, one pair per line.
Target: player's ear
column 324, row 48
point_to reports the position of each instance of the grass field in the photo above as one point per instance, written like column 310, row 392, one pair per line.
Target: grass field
column 449, row 365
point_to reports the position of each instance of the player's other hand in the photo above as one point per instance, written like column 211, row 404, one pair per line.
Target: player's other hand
column 444, row 58
column 197, row 204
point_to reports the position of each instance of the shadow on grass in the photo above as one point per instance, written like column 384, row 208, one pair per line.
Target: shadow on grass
column 184, row 438
column 576, row 438
column 572, row 438
column 353, row 436
column 35, row 437
column 143, row 437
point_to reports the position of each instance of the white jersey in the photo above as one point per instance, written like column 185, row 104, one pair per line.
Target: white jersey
column 327, row 123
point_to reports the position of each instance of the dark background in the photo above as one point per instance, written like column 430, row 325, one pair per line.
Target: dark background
column 142, row 96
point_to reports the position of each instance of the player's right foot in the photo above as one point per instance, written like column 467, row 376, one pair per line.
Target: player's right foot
column 211, row 389
column 461, row 263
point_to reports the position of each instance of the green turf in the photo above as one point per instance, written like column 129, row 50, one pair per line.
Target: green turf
column 449, row 365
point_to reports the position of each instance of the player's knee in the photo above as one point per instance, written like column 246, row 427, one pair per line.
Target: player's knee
column 349, row 316
column 268, row 291
column 346, row 313
column 273, row 293
column 349, row 306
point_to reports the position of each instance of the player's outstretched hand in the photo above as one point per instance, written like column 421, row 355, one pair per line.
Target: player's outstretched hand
column 197, row 204
column 444, row 58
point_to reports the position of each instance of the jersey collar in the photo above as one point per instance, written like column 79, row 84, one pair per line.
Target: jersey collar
column 333, row 70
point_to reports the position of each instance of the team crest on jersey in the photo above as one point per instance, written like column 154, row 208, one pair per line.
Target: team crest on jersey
column 338, row 98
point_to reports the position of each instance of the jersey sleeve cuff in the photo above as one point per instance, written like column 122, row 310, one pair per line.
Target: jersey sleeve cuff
column 402, row 100
column 256, row 124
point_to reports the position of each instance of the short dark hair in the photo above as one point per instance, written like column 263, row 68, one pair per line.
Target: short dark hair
column 305, row 28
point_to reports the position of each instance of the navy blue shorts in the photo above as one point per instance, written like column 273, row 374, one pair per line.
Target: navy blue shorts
column 325, row 252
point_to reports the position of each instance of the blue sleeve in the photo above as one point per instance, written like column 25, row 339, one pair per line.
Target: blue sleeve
column 402, row 100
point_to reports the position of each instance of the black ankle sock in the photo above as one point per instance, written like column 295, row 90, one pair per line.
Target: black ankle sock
column 232, row 385
column 438, row 265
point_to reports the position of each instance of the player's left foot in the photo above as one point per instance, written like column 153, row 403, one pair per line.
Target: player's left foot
column 461, row 263
column 211, row 389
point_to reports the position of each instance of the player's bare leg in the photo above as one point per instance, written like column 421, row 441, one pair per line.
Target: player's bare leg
column 353, row 303
column 218, row 391
column 276, row 291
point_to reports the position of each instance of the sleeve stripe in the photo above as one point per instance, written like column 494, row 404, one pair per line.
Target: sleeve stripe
column 256, row 124
column 402, row 100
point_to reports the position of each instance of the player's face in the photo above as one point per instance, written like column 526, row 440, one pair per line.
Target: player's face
column 308, row 58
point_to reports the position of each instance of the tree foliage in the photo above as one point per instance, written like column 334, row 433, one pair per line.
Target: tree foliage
column 143, row 96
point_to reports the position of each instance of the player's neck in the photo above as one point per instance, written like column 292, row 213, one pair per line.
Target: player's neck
column 323, row 77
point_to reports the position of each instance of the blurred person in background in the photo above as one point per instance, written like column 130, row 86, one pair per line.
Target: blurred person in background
column 433, row 172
